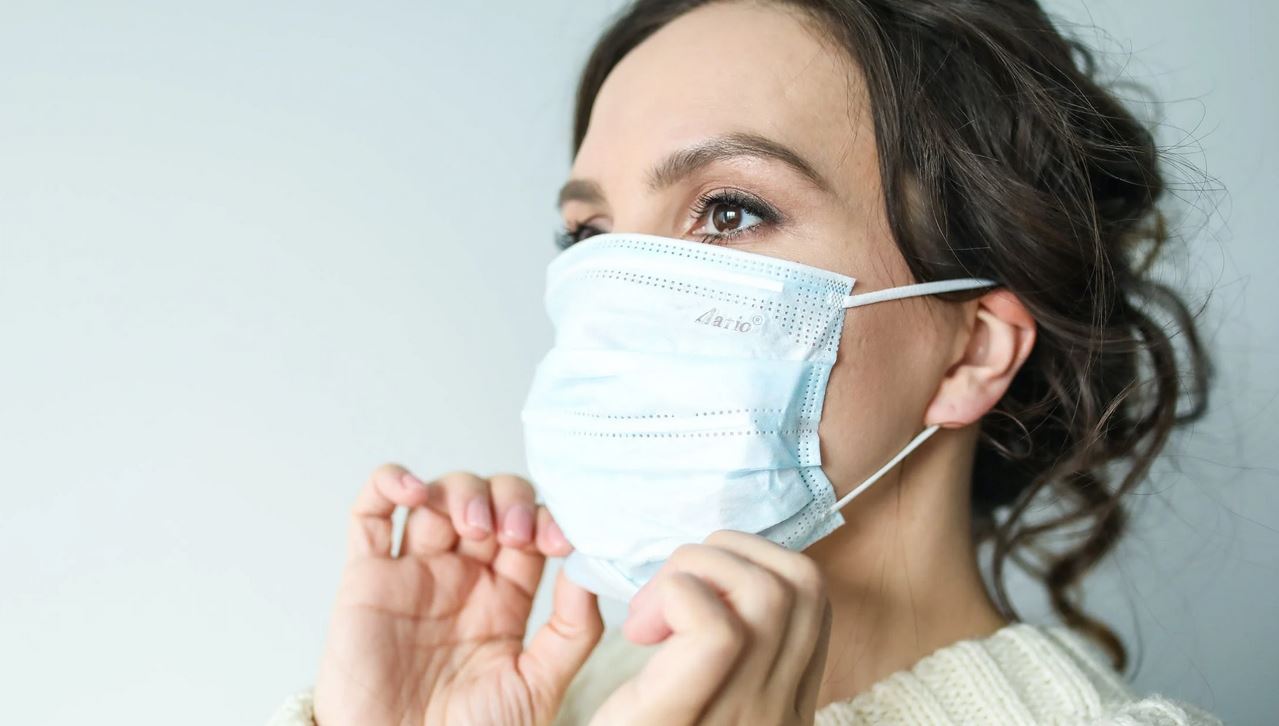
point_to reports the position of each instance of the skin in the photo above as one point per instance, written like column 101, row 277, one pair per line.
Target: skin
column 749, row 632
column 434, row 635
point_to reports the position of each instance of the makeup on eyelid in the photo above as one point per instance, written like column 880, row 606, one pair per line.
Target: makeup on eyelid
column 713, row 202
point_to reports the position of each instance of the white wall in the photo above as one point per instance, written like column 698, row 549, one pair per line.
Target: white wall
column 248, row 251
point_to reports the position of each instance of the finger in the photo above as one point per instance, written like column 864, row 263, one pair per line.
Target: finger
column 517, row 558
column 810, row 683
column 427, row 532
column 760, row 597
column 683, row 676
column 803, row 626
column 467, row 498
column 550, row 538
column 558, row 649
column 514, row 509
column 369, row 533
column 764, row 602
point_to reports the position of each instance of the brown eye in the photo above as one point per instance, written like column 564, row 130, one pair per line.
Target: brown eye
column 726, row 218
column 583, row 232
column 728, row 213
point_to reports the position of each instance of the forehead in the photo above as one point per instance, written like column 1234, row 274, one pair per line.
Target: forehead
column 729, row 67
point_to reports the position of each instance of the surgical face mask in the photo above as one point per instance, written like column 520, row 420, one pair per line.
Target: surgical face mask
column 682, row 396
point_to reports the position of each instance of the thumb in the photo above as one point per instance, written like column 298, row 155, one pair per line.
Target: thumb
column 560, row 647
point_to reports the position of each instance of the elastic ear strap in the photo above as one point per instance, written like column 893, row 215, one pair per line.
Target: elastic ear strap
column 914, row 443
column 923, row 288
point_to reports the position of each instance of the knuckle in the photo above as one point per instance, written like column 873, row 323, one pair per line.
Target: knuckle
column 511, row 478
column 719, row 537
column 512, row 485
column 726, row 636
column 684, row 553
column 460, row 479
column 774, row 594
column 807, row 577
column 389, row 470
column 456, row 475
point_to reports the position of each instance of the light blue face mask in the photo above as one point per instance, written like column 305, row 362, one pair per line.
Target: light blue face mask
column 682, row 396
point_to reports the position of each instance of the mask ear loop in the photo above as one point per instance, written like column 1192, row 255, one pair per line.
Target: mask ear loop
column 914, row 443
column 922, row 288
column 894, row 293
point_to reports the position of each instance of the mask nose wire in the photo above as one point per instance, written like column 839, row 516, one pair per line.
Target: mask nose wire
column 914, row 443
column 922, row 288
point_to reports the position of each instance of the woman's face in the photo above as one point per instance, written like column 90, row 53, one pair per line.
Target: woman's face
column 736, row 125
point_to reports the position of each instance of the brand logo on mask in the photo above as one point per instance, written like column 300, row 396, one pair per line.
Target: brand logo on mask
column 742, row 324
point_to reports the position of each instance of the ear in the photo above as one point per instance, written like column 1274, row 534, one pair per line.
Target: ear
column 999, row 341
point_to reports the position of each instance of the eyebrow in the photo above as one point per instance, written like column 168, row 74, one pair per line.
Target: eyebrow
column 683, row 163
column 581, row 190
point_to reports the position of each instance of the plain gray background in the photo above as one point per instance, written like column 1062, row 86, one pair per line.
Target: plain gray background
column 249, row 251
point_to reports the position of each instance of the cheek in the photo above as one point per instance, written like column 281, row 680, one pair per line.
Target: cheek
column 883, row 378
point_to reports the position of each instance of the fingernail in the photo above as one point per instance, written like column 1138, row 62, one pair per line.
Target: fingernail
column 518, row 523
column 410, row 481
column 478, row 514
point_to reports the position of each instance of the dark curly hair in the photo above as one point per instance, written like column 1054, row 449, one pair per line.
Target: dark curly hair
column 993, row 129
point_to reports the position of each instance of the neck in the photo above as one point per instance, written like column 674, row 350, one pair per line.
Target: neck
column 902, row 572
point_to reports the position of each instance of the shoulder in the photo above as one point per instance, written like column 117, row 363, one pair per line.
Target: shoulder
column 1021, row 674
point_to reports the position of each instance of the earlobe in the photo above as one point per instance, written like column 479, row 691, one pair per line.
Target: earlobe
column 999, row 342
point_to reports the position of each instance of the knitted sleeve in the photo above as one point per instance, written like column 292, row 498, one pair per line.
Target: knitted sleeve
column 1023, row 675
column 297, row 710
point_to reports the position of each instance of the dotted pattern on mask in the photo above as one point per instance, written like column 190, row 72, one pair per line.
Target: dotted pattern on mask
column 674, row 415
column 679, row 435
column 808, row 321
column 805, row 320
column 804, row 521
column 768, row 265
column 810, row 523
column 810, row 453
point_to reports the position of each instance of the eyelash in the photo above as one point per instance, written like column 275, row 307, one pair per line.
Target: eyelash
column 734, row 198
column 567, row 237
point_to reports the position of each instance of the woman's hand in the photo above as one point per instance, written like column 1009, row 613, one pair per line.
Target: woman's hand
column 436, row 635
column 744, row 624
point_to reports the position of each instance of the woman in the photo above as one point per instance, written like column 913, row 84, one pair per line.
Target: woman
column 891, row 141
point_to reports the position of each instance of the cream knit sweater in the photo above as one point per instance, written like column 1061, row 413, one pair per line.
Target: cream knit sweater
column 1020, row 674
